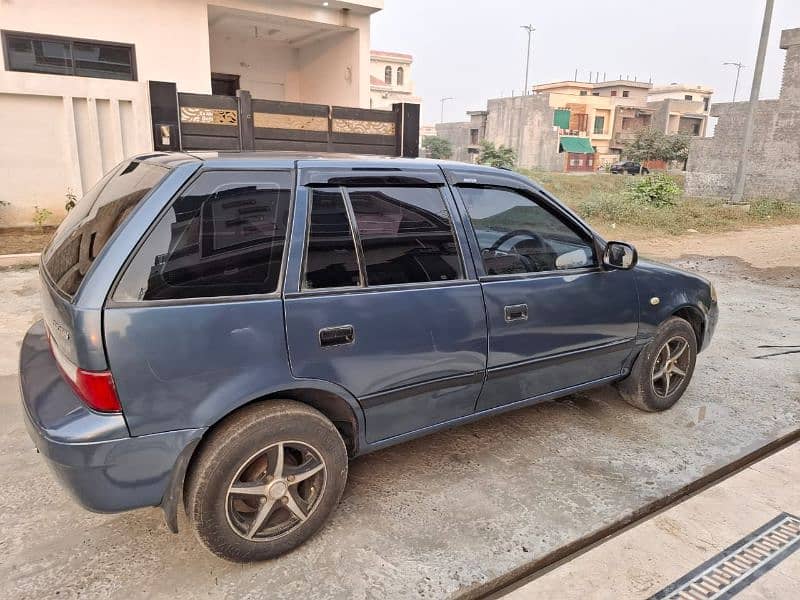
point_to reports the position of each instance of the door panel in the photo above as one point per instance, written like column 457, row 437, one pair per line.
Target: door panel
column 416, row 358
column 580, row 328
column 556, row 318
column 380, row 302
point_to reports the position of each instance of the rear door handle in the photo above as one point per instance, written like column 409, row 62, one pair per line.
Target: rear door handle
column 516, row 312
column 336, row 336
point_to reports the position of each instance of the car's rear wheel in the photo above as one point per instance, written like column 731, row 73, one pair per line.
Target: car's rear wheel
column 663, row 369
column 265, row 480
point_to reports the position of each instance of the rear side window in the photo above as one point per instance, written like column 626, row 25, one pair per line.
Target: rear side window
column 224, row 236
column 331, row 253
column 88, row 226
column 404, row 235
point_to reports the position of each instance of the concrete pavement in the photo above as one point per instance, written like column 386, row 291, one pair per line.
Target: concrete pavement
column 433, row 518
column 680, row 544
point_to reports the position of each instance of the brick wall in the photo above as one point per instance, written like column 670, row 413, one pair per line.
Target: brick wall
column 774, row 154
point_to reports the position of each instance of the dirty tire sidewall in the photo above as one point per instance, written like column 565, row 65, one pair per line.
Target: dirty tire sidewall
column 637, row 388
column 229, row 445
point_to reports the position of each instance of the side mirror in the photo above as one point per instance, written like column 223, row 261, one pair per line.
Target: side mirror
column 619, row 255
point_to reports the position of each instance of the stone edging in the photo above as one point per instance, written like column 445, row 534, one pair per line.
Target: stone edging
column 30, row 259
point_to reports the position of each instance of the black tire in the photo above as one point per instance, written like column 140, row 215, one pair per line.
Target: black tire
column 641, row 388
column 645, row 172
column 229, row 460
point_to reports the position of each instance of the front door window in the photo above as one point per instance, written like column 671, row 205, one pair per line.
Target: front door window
column 517, row 235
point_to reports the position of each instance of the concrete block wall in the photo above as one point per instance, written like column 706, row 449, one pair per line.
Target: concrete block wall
column 774, row 154
column 458, row 135
column 525, row 124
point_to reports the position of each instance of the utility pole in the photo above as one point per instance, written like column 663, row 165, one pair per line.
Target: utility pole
column 741, row 171
column 530, row 29
column 739, row 66
column 443, row 100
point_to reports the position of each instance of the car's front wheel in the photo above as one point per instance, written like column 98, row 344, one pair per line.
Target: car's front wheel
column 265, row 480
column 663, row 369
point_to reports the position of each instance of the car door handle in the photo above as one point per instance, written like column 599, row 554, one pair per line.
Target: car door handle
column 336, row 336
column 516, row 312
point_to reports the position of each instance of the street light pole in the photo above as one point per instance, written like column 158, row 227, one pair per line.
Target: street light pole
column 739, row 66
column 443, row 100
column 741, row 171
column 530, row 29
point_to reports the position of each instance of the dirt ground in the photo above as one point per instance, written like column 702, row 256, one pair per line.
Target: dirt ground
column 439, row 516
column 767, row 254
column 21, row 240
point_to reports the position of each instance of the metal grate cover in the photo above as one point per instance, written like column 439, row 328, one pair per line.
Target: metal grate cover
column 739, row 565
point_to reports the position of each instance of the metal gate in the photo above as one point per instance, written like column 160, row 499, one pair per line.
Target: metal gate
column 184, row 121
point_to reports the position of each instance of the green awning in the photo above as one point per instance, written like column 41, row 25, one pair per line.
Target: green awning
column 561, row 118
column 573, row 143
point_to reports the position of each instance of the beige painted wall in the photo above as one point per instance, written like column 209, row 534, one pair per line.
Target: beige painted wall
column 62, row 132
column 267, row 69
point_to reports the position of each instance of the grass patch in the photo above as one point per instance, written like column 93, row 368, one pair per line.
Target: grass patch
column 607, row 203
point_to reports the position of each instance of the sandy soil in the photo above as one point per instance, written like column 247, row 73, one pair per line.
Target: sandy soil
column 20, row 240
column 763, row 247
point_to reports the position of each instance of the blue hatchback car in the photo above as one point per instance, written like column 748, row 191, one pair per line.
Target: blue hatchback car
column 224, row 331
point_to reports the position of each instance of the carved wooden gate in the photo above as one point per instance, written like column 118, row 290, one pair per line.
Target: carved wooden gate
column 211, row 122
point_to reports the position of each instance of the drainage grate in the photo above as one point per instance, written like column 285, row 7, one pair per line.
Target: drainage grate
column 739, row 565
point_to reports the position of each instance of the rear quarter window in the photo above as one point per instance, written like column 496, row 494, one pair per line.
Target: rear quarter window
column 223, row 236
column 88, row 227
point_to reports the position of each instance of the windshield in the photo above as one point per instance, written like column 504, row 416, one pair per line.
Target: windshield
column 87, row 227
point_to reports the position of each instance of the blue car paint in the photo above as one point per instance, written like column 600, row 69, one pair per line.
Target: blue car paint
column 92, row 455
column 415, row 366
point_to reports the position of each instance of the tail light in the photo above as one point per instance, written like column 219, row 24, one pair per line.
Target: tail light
column 95, row 388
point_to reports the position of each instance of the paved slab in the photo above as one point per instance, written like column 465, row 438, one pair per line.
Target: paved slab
column 430, row 518
column 645, row 559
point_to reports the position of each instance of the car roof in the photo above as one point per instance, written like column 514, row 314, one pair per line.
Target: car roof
column 280, row 159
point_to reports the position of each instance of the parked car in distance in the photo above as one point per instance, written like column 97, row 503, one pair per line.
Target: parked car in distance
column 628, row 166
column 226, row 331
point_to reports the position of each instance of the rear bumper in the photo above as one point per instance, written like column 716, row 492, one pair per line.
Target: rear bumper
column 91, row 454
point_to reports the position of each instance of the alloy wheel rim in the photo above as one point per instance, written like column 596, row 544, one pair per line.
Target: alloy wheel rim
column 275, row 491
column 671, row 366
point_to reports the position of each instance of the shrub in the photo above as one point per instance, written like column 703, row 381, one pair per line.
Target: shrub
column 502, row 157
column 40, row 215
column 437, row 147
column 765, row 208
column 656, row 190
column 72, row 200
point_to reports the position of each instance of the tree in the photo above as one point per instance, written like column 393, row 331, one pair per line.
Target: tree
column 502, row 157
column 437, row 147
column 653, row 144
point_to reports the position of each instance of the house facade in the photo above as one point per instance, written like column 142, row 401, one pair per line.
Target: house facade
column 579, row 126
column 74, row 93
column 390, row 79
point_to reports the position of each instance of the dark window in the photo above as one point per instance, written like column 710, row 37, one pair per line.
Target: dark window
column 331, row 260
column 224, row 84
column 584, row 93
column 474, row 136
column 400, row 75
column 387, row 75
column 223, row 237
column 625, row 93
column 88, row 226
column 406, row 235
column 599, row 124
column 705, row 103
column 517, row 235
column 688, row 97
column 595, row 93
column 696, row 129
column 613, row 92
column 65, row 56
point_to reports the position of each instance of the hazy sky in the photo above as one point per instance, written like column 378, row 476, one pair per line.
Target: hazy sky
column 475, row 49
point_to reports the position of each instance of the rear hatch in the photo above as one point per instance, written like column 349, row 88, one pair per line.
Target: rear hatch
column 77, row 331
